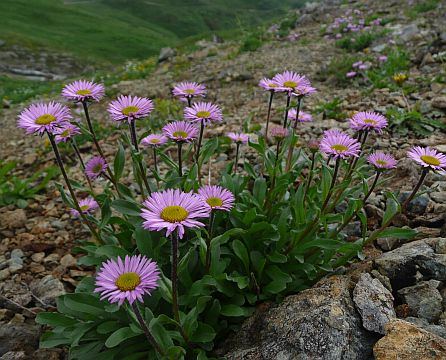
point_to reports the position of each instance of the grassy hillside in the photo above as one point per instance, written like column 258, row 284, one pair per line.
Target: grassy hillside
column 115, row 30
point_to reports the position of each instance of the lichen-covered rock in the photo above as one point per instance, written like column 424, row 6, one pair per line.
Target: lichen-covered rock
column 318, row 324
column 405, row 341
column 374, row 302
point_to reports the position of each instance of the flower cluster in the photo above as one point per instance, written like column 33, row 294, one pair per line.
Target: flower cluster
column 353, row 21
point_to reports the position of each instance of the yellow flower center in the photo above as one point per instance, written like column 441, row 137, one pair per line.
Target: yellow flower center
column 370, row 121
column 214, row 201
column 129, row 110
column 97, row 168
column 174, row 214
column 84, row 207
column 181, row 134
column 290, row 84
column 66, row 133
column 381, row 162
column 189, row 91
column 155, row 141
column 272, row 85
column 83, row 92
column 203, row 114
column 339, row 147
column 128, row 281
column 45, row 119
column 430, row 160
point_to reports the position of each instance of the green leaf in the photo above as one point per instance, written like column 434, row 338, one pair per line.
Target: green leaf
column 203, row 334
column 232, row 310
column 111, row 251
column 126, row 207
column 392, row 208
column 399, row 233
column 54, row 319
column 51, row 339
column 241, row 252
column 119, row 163
column 259, row 190
column 119, row 336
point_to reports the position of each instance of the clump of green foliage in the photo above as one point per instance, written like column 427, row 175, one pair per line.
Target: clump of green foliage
column 339, row 66
column 381, row 77
column 404, row 121
column 331, row 109
column 422, row 7
column 358, row 41
column 17, row 191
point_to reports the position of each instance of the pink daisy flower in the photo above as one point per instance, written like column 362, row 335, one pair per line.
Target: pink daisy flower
column 181, row 131
column 351, row 74
column 154, row 140
column 87, row 205
column 173, row 210
column 130, row 280
column 216, row 198
column 303, row 91
column 428, row 157
column 83, row 90
column 239, row 138
column 130, row 108
column 188, row 90
column 66, row 132
column 381, row 161
column 290, row 81
column 368, row 121
column 340, row 146
column 267, row 84
column 303, row 116
column 39, row 118
column 203, row 111
column 279, row 133
column 95, row 167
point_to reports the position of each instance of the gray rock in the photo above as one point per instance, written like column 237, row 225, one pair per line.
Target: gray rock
column 68, row 260
column 402, row 264
column 422, row 323
column 13, row 219
column 21, row 337
column 319, row 323
column 439, row 102
column 408, row 33
column 388, row 243
column 439, row 197
column 417, row 205
column 47, row 289
column 14, row 355
column 2, row 42
column 374, row 302
column 4, row 274
column 166, row 53
column 424, row 300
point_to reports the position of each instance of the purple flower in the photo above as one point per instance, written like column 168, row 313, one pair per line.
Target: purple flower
column 382, row 58
column 290, row 81
column 173, row 210
column 351, row 74
column 66, row 132
column 363, row 67
column 119, row 280
column 340, row 146
column 216, row 197
column 382, row 161
column 357, row 64
column 154, row 140
column 279, row 133
column 369, row 121
column 267, row 84
column 95, row 167
column 181, row 131
column 303, row 116
column 130, row 108
column 203, row 111
column 428, row 157
column 38, row 118
column 239, row 138
column 188, row 90
column 83, row 90
column 304, row 90
column 87, row 206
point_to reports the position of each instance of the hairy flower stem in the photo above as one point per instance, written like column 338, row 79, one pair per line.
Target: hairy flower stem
column 356, row 159
column 180, row 165
column 98, row 147
column 376, row 234
column 310, row 174
column 197, row 153
column 236, row 157
column 155, row 164
column 208, row 242
column 415, row 190
column 146, row 329
column 273, row 179
column 293, row 140
column 142, row 172
column 79, row 156
column 309, row 229
column 70, row 189
column 285, row 120
column 268, row 116
column 348, row 219
column 189, row 101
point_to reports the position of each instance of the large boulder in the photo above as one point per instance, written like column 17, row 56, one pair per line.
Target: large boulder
column 320, row 323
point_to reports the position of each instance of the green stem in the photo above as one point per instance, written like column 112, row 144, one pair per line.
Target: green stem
column 293, row 140
column 415, row 190
column 197, row 154
column 208, row 242
column 79, row 156
column 174, row 278
column 156, row 166
column 236, row 157
column 180, row 165
column 146, row 329
column 285, row 120
column 310, row 175
column 268, row 117
column 70, row 189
